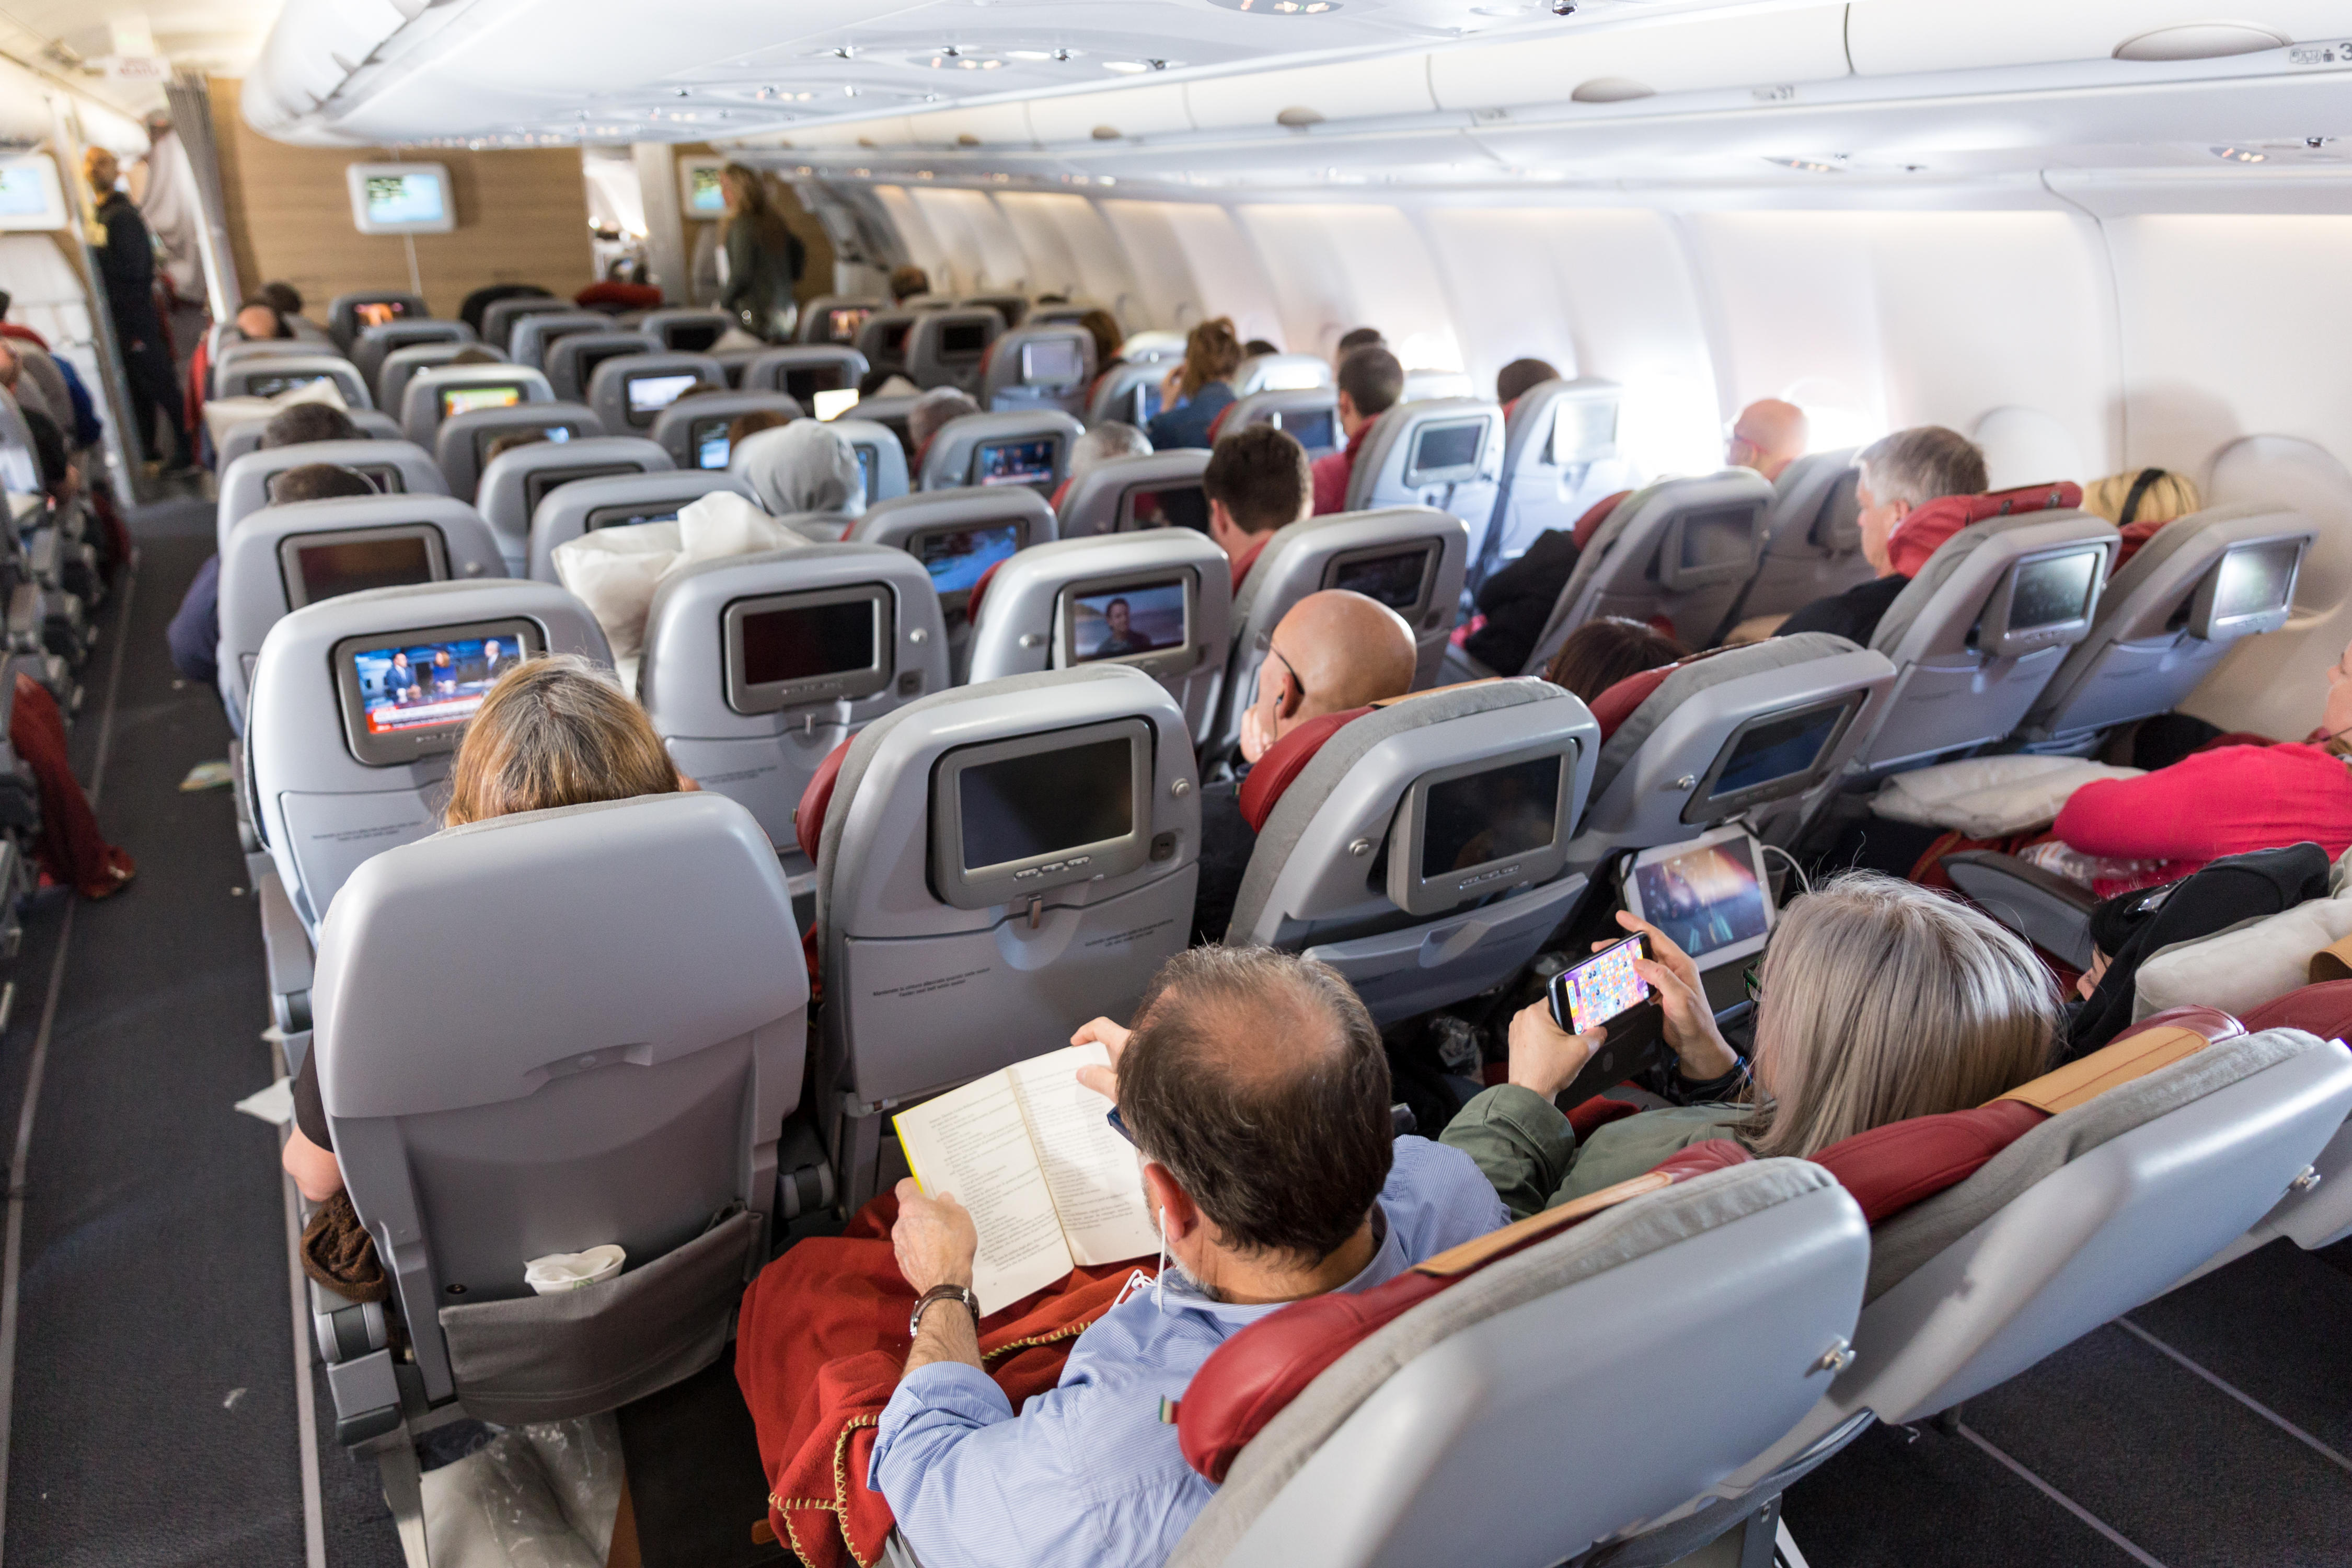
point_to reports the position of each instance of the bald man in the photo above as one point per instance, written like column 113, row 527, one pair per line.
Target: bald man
column 1333, row 651
column 1768, row 437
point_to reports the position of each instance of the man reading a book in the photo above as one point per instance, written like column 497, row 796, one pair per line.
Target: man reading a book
column 1256, row 1092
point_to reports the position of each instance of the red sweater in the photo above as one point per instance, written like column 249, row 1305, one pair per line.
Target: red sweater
column 2222, row 802
column 1331, row 475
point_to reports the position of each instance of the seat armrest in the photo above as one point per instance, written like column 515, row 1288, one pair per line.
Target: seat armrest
column 287, row 946
column 2047, row 909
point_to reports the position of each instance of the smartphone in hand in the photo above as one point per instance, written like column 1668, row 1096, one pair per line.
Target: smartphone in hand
column 1606, row 991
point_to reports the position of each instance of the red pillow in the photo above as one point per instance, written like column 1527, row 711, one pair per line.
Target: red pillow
column 1282, row 763
column 1889, row 1168
column 808, row 822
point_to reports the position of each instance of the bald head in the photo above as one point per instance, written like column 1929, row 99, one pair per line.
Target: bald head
column 1768, row 437
column 1335, row 650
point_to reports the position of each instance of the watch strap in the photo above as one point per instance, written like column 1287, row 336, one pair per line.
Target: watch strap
column 960, row 1294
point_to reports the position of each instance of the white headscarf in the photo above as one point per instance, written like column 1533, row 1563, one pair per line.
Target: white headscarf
column 804, row 467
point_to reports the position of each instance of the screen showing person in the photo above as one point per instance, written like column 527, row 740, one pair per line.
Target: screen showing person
column 381, row 312
column 1446, row 449
column 711, row 447
column 1185, row 507
column 1053, row 362
column 1584, row 430
column 1393, row 580
column 1779, row 749
column 2256, row 581
column 835, row 404
column 2051, row 592
column 957, row 557
column 1014, row 462
column 408, row 687
column 1046, row 802
column 842, row 325
column 649, row 394
column 1603, row 985
column 808, row 642
column 963, row 339
column 1146, row 618
column 272, row 386
column 457, row 400
column 1490, row 815
column 1316, row 430
column 1705, row 898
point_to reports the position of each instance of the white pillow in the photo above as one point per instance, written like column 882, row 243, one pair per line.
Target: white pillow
column 615, row 570
column 2238, row 969
column 1989, row 797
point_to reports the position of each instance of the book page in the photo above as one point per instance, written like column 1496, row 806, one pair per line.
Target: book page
column 974, row 1143
column 1094, row 1174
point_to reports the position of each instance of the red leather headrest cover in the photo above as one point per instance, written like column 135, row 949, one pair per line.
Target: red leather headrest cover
column 979, row 589
column 1282, row 763
column 2324, row 1009
column 1589, row 523
column 1924, row 530
column 1060, row 492
column 1889, row 1168
column 1218, row 423
column 808, row 821
column 1248, row 559
column 1617, row 704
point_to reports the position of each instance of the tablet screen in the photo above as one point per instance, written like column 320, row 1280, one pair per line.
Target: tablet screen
column 1706, row 898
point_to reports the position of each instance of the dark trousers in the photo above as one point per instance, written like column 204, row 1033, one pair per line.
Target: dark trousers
column 152, row 386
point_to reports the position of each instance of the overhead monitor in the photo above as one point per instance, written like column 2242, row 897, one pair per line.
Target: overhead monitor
column 317, row 567
column 466, row 398
column 31, row 196
column 649, row 395
column 1445, row 452
column 1012, row 819
column 1473, row 828
column 1144, row 619
column 1051, row 361
column 824, row 645
column 955, row 557
column 1584, row 430
column 406, row 695
column 1025, row 462
column 699, row 193
column 401, row 198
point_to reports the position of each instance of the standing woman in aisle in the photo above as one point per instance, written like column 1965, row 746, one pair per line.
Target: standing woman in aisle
column 764, row 258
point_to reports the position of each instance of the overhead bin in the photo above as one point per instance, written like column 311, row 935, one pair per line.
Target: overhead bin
column 1352, row 89
column 1888, row 37
column 1154, row 110
column 1693, row 54
column 998, row 126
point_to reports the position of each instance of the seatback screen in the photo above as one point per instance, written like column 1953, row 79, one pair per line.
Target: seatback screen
column 1705, row 898
column 1315, row 428
column 1022, row 807
column 380, row 312
column 955, row 557
column 805, row 643
column 803, row 382
column 963, row 339
column 1014, row 462
column 353, row 566
column 1583, row 430
column 1445, row 452
column 649, row 394
column 1780, row 749
column 486, row 439
column 1186, row 505
column 1147, row 617
column 2052, row 591
column 629, row 516
column 692, row 337
column 272, row 386
column 894, row 337
column 1491, row 816
column 1393, row 580
column 406, row 686
column 2255, row 581
column 709, row 443
column 536, row 486
column 1054, row 362
column 1716, row 536
column 457, row 400
column 591, row 358
column 841, row 325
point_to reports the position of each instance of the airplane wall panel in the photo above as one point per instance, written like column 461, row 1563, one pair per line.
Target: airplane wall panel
column 1072, row 250
column 1507, row 302
column 1192, row 262
column 1894, row 36
column 923, row 246
column 1797, row 297
column 983, row 252
column 1337, row 268
column 1691, row 55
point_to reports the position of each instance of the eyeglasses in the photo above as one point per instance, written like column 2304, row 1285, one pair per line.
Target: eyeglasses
column 1754, row 977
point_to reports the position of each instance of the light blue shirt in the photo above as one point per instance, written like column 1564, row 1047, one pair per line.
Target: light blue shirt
column 1088, row 1473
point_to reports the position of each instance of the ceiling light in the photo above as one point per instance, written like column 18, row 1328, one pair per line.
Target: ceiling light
column 1126, row 68
column 1809, row 166
column 2240, row 156
column 1028, row 55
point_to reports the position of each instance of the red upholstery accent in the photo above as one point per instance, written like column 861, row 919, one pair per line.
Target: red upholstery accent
column 920, row 453
column 1889, row 1168
column 1593, row 1114
column 972, row 601
column 619, row 296
column 1061, row 491
column 2324, row 1009
column 1924, row 530
column 1248, row 559
column 1699, row 1158
column 808, row 822
column 1219, row 423
column 1617, row 704
column 1282, row 763
column 1589, row 523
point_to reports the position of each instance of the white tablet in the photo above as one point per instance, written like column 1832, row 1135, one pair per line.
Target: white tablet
column 1708, row 894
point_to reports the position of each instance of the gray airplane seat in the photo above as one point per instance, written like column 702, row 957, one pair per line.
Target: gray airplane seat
column 462, row 443
column 518, row 480
column 1013, row 309
column 949, row 348
column 439, row 393
column 1128, row 392
column 1420, row 848
column 1482, row 1396
column 1981, row 630
column 505, row 1081
column 1427, row 386
column 2170, row 613
column 1812, row 546
column 881, row 457
column 501, row 317
column 402, row 365
column 694, row 432
column 629, row 392
column 882, row 337
column 1725, row 735
column 1159, row 600
column 802, row 373
column 834, row 318
column 1029, row 446
column 394, row 467
column 279, row 558
column 687, row 331
column 757, row 667
column 244, row 436
column 995, row 864
column 339, row 769
column 274, row 374
column 1121, row 495
column 1040, row 315
column 1311, row 415
column 375, row 344
column 1446, row 453
column 534, row 335
column 1409, row 558
column 240, row 351
column 1678, row 552
column 1048, row 367
column 1560, row 457
column 616, row 500
column 959, row 536
column 349, row 315
column 1281, row 372
column 573, row 360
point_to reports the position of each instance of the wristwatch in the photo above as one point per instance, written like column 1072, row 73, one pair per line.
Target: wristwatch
column 957, row 1293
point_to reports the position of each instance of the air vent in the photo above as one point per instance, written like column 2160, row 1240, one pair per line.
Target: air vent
column 966, row 139
column 867, row 141
column 1612, row 90
column 1105, row 132
column 2198, row 41
column 1300, row 119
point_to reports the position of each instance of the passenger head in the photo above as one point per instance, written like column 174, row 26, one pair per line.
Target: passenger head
column 1334, row 650
column 1360, row 338
column 933, row 410
column 1211, row 353
column 908, row 281
column 319, row 481
column 1521, row 376
column 307, row 422
column 509, row 442
column 1256, row 480
column 1258, row 346
column 1107, row 440
column 2148, row 495
column 752, row 423
column 283, row 297
column 1882, row 1000
column 1103, row 327
column 259, row 321
column 98, row 165
column 475, row 353
column 809, row 467
column 554, row 731
column 1271, row 1155
column 1906, row 471
column 1768, row 437
column 1599, row 654
column 1371, row 379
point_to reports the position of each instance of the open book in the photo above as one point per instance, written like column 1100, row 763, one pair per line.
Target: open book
column 1029, row 1150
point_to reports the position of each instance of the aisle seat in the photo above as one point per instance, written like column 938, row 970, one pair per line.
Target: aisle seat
column 518, row 481
column 1048, row 367
column 1677, row 552
column 1447, row 454
column 461, row 444
column 1029, row 446
column 1121, row 495
column 243, row 437
column 276, row 375
column 694, row 433
column 959, row 536
column 394, row 467
column 881, row 458
column 240, row 351
column 430, row 397
column 617, row 501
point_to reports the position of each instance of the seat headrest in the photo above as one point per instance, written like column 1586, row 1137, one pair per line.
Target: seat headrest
column 1617, row 704
column 2324, row 1009
column 808, row 817
column 980, row 591
column 1595, row 515
column 1927, row 529
column 1284, row 761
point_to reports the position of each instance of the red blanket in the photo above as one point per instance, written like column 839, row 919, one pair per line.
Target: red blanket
column 71, row 847
column 821, row 1340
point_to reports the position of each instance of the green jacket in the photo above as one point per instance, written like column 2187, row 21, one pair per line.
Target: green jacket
column 1526, row 1148
column 759, row 280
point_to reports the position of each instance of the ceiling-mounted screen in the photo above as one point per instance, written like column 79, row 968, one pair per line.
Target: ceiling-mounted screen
column 401, row 198
column 30, row 196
